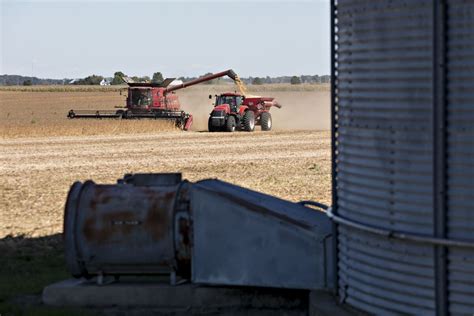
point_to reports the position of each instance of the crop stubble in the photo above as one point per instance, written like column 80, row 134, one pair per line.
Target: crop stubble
column 38, row 171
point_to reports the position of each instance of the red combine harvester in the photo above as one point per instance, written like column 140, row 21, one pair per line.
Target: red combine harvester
column 235, row 111
column 152, row 101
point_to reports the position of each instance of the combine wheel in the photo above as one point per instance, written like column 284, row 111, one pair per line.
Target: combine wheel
column 249, row 121
column 230, row 124
column 119, row 114
column 266, row 121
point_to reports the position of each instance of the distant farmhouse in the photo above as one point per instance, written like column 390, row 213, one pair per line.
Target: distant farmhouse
column 105, row 82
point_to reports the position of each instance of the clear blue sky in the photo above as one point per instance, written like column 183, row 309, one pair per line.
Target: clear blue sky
column 179, row 38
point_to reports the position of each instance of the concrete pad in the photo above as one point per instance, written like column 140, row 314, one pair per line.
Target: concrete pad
column 83, row 293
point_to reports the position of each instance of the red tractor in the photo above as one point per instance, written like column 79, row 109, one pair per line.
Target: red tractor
column 234, row 111
column 152, row 101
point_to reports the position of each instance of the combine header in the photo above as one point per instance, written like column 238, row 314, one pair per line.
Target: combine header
column 152, row 101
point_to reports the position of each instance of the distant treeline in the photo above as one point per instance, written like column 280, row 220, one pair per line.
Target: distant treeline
column 16, row 80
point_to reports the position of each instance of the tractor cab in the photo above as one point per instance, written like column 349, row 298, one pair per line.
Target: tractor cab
column 234, row 101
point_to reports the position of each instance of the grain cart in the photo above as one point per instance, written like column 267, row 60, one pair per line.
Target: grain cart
column 236, row 111
column 152, row 101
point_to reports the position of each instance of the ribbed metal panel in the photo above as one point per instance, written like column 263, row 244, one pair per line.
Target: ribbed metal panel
column 403, row 155
column 460, row 155
column 384, row 277
column 384, row 153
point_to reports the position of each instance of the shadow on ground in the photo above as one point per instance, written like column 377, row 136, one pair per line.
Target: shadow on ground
column 26, row 266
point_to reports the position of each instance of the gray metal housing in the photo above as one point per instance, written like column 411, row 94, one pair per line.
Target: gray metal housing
column 403, row 155
column 243, row 237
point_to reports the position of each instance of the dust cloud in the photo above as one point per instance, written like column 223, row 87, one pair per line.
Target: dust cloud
column 302, row 110
column 44, row 113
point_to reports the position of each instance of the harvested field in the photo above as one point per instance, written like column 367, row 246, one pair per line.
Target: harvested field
column 37, row 172
column 42, row 153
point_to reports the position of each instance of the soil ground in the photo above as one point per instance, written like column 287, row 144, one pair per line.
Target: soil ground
column 42, row 154
column 37, row 172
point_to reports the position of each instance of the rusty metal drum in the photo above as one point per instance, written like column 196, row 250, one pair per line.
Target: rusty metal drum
column 126, row 228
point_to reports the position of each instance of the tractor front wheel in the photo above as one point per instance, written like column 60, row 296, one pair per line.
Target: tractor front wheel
column 211, row 128
column 266, row 121
column 249, row 121
column 230, row 124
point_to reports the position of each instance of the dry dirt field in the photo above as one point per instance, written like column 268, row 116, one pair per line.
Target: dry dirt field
column 42, row 153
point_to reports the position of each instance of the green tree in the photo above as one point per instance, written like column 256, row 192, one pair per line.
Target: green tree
column 295, row 80
column 27, row 82
column 118, row 78
column 257, row 81
column 90, row 80
column 94, row 80
column 157, row 77
column 141, row 79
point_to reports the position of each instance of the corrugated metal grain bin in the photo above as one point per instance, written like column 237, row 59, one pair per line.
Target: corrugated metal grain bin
column 460, row 154
column 403, row 155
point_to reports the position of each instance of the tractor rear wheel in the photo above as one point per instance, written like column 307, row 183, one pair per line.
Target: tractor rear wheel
column 249, row 121
column 230, row 124
column 266, row 121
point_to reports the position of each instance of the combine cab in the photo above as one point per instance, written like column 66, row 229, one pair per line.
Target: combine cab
column 233, row 111
column 152, row 101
